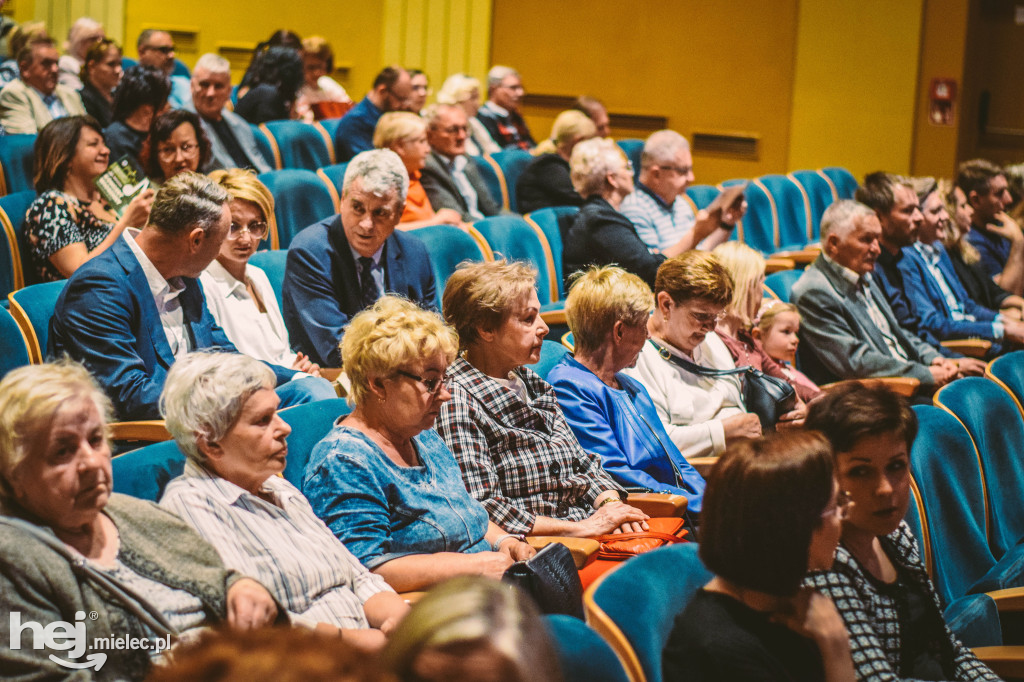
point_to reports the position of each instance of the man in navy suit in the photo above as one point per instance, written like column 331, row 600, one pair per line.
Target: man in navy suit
column 343, row 264
column 129, row 313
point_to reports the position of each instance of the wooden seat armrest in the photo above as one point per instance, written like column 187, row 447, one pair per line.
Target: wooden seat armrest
column 972, row 348
column 412, row 597
column 331, row 373
column 703, row 464
column 581, row 548
column 150, row 431
column 776, row 264
column 1005, row 661
column 802, row 257
column 553, row 317
column 660, row 505
column 1010, row 599
column 905, row 386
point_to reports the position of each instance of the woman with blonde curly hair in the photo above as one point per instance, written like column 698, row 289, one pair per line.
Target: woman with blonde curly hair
column 382, row 479
column 546, row 180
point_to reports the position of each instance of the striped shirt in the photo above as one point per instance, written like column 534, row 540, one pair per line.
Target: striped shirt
column 284, row 545
column 658, row 224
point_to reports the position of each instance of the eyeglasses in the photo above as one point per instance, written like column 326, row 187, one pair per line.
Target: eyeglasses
column 706, row 320
column 256, row 229
column 433, row 386
column 843, row 502
column 188, row 150
column 455, row 130
column 682, row 170
column 163, row 49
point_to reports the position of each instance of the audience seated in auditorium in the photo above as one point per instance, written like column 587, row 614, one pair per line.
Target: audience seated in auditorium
column 101, row 74
column 140, row 98
column 472, row 629
column 847, row 322
column 176, row 144
column 68, row 223
column 35, row 98
column 239, row 294
column 344, row 263
column 778, row 326
column 405, row 134
column 156, row 50
column 83, row 34
column 222, row 411
column 392, row 90
column 878, row 581
column 279, row 38
column 273, row 92
column 382, row 480
column 659, row 209
column 232, row 140
column 129, row 313
column 993, row 234
column 701, row 414
column 7, row 28
column 69, row 542
column 450, row 178
column 464, row 91
column 746, row 268
column 501, row 114
column 320, row 95
column 420, row 85
column 601, row 235
column 546, row 180
column 772, row 512
column 967, row 261
column 517, row 453
column 612, row 414
column 595, row 110
column 20, row 36
column 934, row 290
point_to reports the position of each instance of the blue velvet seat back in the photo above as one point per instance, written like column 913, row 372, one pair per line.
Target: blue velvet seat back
column 37, row 303
column 633, row 149
column 272, row 263
column 13, row 208
column 550, row 353
column 512, row 238
column 301, row 145
column 842, row 180
column 781, row 283
column 1009, row 369
column 702, row 195
column 792, row 211
column 266, row 149
column 554, row 222
column 336, row 175
column 583, row 655
column 300, row 199
column 645, row 594
column 310, row 423
column 18, row 162
column 758, row 227
column 512, row 162
column 13, row 346
column 819, row 194
column 492, row 180
column 448, row 246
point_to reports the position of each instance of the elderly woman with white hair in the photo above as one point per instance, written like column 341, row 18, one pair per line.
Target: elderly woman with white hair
column 222, row 411
column 546, row 181
column 464, row 91
column 69, row 546
column 612, row 414
column 82, row 35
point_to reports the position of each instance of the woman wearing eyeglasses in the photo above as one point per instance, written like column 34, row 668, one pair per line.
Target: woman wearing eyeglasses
column 382, row 479
column 702, row 414
column 238, row 294
column 176, row 143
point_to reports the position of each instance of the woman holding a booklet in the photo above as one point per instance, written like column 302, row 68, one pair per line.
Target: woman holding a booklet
column 68, row 223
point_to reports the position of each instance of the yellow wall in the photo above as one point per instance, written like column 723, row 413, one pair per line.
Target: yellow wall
column 855, row 84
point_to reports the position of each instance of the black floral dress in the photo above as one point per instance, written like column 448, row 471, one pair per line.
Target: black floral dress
column 55, row 220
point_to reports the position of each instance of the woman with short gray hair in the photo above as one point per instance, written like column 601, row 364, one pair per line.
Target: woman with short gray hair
column 222, row 411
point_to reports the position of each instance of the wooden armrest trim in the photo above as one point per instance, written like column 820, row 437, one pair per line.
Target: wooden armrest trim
column 775, row 264
column 905, row 386
column 1005, row 661
column 151, row 431
column 553, row 317
column 581, row 548
column 661, row 505
column 1010, row 599
column 703, row 464
column 972, row 348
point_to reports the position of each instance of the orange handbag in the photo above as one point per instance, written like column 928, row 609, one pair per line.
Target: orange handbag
column 662, row 531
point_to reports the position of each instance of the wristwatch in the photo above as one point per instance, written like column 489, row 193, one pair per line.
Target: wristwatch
column 496, row 545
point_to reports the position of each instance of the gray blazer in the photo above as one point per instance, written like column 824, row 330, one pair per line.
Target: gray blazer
column 220, row 158
column 839, row 339
column 444, row 193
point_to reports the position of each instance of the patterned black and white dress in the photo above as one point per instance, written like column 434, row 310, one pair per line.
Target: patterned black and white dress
column 56, row 220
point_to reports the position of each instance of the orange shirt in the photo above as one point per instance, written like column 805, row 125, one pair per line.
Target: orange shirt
column 417, row 204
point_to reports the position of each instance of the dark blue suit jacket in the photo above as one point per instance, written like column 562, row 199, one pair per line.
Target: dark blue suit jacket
column 929, row 303
column 355, row 132
column 321, row 285
column 106, row 318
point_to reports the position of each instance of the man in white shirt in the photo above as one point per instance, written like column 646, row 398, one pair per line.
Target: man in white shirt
column 135, row 309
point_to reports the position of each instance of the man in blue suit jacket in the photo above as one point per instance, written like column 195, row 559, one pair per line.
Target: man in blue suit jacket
column 391, row 91
column 343, row 264
column 130, row 312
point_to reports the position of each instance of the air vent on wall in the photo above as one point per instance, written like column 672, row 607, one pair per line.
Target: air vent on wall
column 732, row 145
column 238, row 54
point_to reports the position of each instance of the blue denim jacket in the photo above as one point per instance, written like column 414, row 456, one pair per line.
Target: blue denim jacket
column 382, row 511
column 623, row 427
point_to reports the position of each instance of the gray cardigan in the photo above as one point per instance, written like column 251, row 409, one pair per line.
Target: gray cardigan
column 39, row 583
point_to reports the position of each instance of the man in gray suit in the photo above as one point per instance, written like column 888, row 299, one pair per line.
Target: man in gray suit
column 231, row 139
column 849, row 330
column 450, row 178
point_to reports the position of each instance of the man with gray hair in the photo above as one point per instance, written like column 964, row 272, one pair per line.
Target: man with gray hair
column 849, row 330
column 662, row 216
column 450, row 178
column 232, row 143
column 500, row 113
column 343, row 264
column 135, row 309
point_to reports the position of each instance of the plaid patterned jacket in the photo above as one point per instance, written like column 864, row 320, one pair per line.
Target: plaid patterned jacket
column 519, row 460
column 873, row 621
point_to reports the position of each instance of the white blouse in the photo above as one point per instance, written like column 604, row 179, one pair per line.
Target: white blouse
column 692, row 406
column 259, row 335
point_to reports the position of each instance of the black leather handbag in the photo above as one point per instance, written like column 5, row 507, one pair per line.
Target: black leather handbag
column 766, row 396
column 551, row 579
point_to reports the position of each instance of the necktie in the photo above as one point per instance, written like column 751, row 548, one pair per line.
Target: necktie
column 368, row 293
